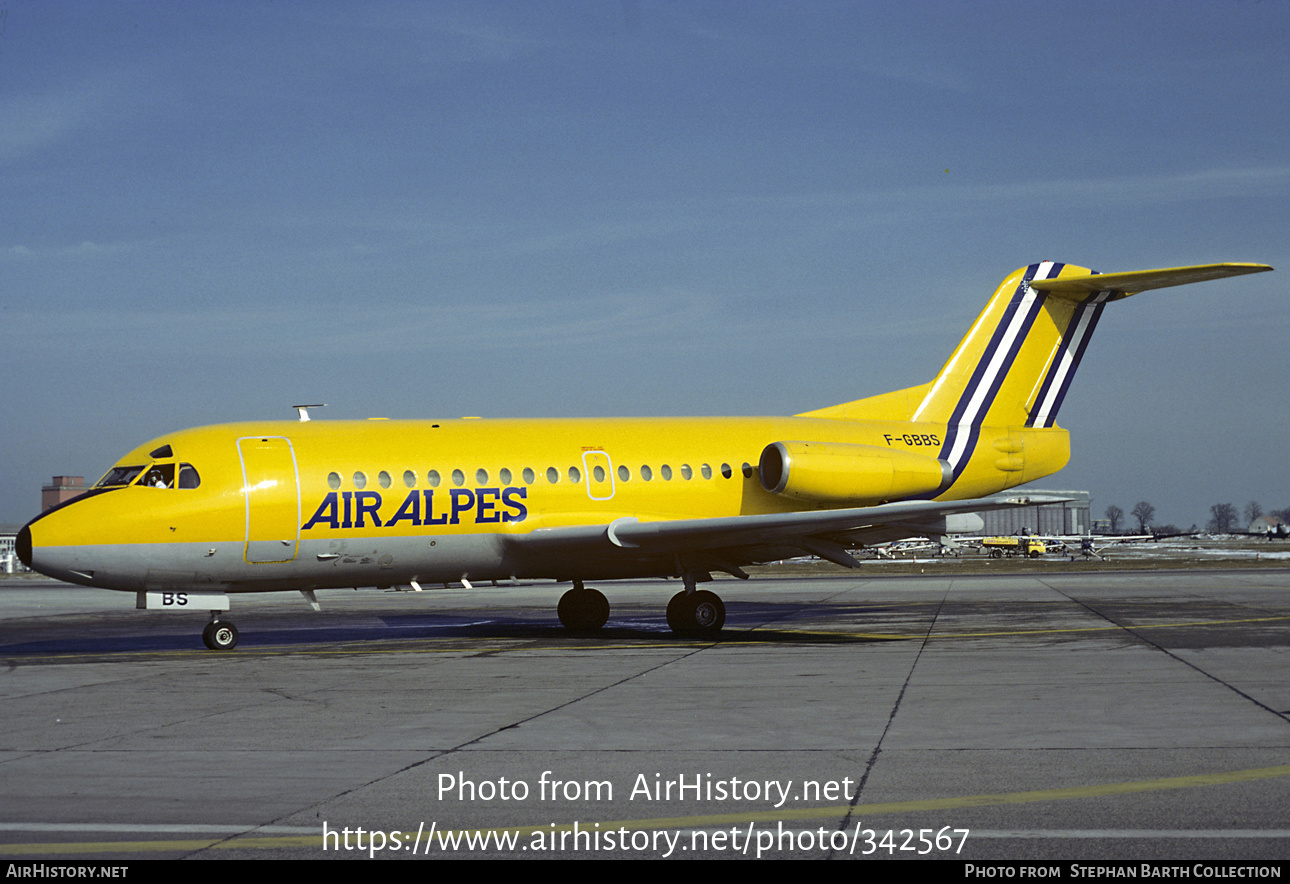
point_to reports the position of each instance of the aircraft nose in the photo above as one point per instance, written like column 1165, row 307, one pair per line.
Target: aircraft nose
column 23, row 543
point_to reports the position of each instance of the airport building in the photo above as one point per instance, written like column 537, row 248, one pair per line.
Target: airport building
column 1071, row 517
column 1273, row 526
column 9, row 563
column 61, row 490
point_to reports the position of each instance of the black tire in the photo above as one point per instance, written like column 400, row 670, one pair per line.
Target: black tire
column 678, row 613
column 220, row 635
column 708, row 613
column 583, row 610
column 696, row 615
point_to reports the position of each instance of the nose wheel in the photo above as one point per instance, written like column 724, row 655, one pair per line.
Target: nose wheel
column 220, row 635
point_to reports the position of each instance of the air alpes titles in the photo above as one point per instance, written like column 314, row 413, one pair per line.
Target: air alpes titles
column 479, row 506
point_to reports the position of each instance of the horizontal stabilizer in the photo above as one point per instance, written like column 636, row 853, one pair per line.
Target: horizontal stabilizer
column 1125, row 284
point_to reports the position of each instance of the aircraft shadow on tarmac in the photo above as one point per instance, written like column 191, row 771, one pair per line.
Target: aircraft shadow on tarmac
column 125, row 633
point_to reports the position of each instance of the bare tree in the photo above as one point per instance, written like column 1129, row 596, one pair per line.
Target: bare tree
column 1114, row 515
column 1222, row 517
column 1144, row 513
column 1252, row 511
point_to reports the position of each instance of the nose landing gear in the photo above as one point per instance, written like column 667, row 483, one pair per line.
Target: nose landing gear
column 220, row 635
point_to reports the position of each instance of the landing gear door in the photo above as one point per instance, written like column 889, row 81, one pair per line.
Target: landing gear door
column 271, row 488
column 600, row 476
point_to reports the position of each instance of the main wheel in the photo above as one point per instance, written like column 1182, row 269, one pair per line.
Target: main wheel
column 220, row 635
column 709, row 613
column 700, row 614
column 583, row 610
column 678, row 613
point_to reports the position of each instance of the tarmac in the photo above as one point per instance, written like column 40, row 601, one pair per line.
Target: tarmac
column 1050, row 716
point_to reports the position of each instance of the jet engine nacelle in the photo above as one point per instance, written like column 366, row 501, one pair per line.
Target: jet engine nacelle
column 838, row 472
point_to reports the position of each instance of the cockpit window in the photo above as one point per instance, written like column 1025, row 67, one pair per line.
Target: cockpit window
column 188, row 477
column 119, row 476
column 159, row 475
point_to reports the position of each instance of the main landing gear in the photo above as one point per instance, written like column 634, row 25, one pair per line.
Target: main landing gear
column 583, row 610
column 690, row 613
column 220, row 635
column 698, row 614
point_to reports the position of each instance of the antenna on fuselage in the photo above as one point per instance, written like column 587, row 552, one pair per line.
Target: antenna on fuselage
column 304, row 409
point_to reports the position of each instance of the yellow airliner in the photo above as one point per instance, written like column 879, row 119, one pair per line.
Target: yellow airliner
column 191, row 517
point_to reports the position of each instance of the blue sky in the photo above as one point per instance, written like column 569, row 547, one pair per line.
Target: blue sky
column 212, row 211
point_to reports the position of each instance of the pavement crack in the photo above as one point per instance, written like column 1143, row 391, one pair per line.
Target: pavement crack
column 895, row 708
column 1140, row 636
column 435, row 756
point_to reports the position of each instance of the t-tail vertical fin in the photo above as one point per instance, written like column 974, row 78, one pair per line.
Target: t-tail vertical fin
column 985, row 381
column 1070, row 350
column 1016, row 363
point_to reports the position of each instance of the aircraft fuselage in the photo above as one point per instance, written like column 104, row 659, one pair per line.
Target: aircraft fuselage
column 317, row 504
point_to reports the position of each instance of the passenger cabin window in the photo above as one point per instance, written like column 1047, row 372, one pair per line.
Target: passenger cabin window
column 333, row 481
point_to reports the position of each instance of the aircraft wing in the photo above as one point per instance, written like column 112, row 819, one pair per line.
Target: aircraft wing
column 734, row 540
